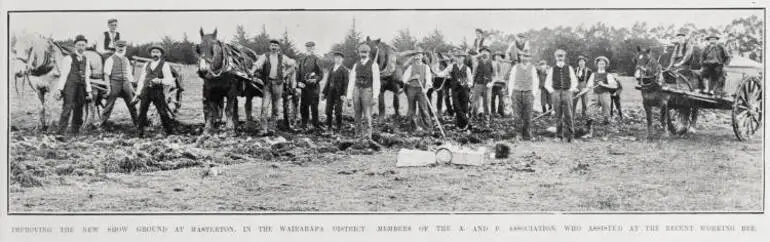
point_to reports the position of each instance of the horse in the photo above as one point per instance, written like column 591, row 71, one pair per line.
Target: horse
column 37, row 61
column 390, row 73
column 218, row 82
column 651, row 77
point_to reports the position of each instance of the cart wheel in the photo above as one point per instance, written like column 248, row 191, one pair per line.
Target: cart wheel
column 679, row 120
column 747, row 108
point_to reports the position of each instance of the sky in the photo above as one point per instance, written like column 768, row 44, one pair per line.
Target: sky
column 329, row 27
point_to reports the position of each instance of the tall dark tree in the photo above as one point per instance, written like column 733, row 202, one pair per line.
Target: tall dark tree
column 349, row 45
column 262, row 41
column 287, row 45
column 435, row 42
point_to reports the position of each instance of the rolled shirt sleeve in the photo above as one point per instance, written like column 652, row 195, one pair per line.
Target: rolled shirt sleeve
column 140, row 81
column 428, row 78
column 548, row 84
column 107, row 69
column 351, row 81
column 573, row 79
column 376, row 79
column 88, row 76
column 511, row 80
column 66, row 63
column 534, row 79
column 168, row 77
column 407, row 74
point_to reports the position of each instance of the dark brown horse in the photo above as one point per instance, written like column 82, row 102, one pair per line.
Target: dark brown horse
column 218, row 83
column 676, row 113
column 390, row 73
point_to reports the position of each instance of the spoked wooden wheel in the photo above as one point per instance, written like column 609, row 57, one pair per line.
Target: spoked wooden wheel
column 679, row 120
column 748, row 108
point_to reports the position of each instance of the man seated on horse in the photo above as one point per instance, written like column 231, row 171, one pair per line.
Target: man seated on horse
column 156, row 74
column 714, row 57
column 74, row 86
column 310, row 74
column 682, row 57
column 416, row 77
column 111, row 37
column 119, row 78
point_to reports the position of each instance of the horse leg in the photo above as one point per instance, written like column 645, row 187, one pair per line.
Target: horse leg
column 664, row 119
column 381, row 104
column 231, row 113
column 396, row 103
column 43, row 122
column 648, row 114
column 693, row 120
column 247, row 108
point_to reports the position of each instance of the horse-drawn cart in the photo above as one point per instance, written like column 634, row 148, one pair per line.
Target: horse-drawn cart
column 742, row 93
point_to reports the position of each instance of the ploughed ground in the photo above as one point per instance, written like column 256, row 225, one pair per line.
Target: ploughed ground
column 614, row 170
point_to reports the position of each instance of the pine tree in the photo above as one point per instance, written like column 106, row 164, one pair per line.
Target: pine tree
column 241, row 37
column 435, row 42
column 349, row 45
column 287, row 46
column 262, row 42
column 404, row 41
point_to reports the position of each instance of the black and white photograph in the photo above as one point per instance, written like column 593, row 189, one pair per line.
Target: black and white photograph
column 504, row 111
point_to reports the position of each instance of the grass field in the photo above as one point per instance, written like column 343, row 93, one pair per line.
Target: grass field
column 616, row 170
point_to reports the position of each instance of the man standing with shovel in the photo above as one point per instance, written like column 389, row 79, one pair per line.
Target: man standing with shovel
column 416, row 76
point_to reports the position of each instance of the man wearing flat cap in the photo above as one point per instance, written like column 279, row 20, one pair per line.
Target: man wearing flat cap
column 118, row 76
column 310, row 75
column 483, row 72
column 272, row 66
column 714, row 57
column 416, row 77
column 111, row 36
column 460, row 80
column 74, row 86
column 364, row 83
column 150, row 88
column 561, row 83
column 335, row 89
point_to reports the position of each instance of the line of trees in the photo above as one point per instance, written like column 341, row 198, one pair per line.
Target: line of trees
column 742, row 36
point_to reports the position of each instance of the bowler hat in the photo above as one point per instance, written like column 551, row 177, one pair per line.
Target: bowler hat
column 80, row 37
column 338, row 53
column 158, row 47
column 682, row 33
column 310, row 44
column 121, row 43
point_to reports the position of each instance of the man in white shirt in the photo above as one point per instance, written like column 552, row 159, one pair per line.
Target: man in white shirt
column 150, row 88
column 460, row 81
column 364, row 83
column 118, row 76
column 417, row 77
column 111, row 37
column 274, row 73
column 561, row 83
column 523, row 81
column 74, row 86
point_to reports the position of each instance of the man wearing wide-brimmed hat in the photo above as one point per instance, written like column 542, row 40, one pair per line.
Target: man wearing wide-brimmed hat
column 582, row 72
column 604, row 84
column 523, row 81
column 416, row 77
column 310, row 75
column 499, row 85
column 364, row 82
column 714, row 58
column 119, row 77
column 335, row 89
column 150, row 88
column 74, row 86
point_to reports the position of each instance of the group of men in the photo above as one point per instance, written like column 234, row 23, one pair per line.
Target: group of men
column 75, row 84
column 474, row 84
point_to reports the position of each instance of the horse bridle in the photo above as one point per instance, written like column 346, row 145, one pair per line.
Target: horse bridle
column 224, row 62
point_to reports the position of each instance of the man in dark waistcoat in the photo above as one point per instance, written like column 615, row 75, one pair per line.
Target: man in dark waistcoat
column 714, row 58
column 118, row 74
column 111, row 37
column 150, row 87
column 74, row 86
column 364, row 82
column 335, row 90
column 459, row 75
column 443, row 90
column 272, row 66
column 483, row 70
column 582, row 73
column 309, row 79
column 561, row 83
